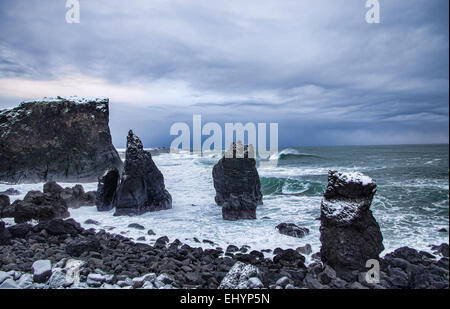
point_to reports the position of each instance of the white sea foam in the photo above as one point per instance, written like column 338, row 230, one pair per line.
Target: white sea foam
column 188, row 178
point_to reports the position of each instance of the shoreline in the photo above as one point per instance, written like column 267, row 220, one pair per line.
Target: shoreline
column 115, row 261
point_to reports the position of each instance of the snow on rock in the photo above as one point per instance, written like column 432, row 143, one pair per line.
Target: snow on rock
column 239, row 277
column 347, row 196
column 349, row 233
column 42, row 270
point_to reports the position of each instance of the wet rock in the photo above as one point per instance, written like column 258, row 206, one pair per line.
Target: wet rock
column 238, row 276
column 136, row 226
column 20, row 230
column 62, row 139
column 350, row 234
column 290, row 229
column 106, row 190
column 442, row 249
column 77, row 247
column 41, row 270
column 91, row 222
column 74, row 197
column 11, row 191
column 151, row 233
column 5, row 235
column 39, row 206
column 306, row 249
column 237, row 183
column 141, row 188
column 6, row 211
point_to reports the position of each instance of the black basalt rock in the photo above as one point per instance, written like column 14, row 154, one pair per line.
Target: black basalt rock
column 61, row 139
column 350, row 235
column 237, row 183
column 141, row 188
column 106, row 190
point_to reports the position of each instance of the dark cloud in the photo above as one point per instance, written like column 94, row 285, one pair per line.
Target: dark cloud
column 316, row 67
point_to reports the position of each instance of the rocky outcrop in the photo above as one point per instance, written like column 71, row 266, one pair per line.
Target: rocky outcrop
column 39, row 206
column 60, row 139
column 4, row 206
column 349, row 233
column 291, row 229
column 51, row 204
column 237, row 184
column 141, row 188
column 106, row 190
column 74, row 197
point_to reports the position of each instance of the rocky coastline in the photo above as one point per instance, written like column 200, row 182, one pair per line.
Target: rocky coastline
column 113, row 261
column 46, row 249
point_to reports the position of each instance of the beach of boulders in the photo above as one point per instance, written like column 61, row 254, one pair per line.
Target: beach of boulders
column 49, row 255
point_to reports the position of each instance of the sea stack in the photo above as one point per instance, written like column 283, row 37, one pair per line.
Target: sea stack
column 237, row 184
column 60, row 139
column 349, row 233
column 141, row 188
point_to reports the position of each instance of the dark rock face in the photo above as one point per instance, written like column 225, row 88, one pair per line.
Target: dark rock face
column 39, row 206
column 106, row 190
column 5, row 206
column 5, row 235
column 74, row 197
column 61, row 139
column 237, row 184
column 290, row 229
column 141, row 188
column 349, row 233
column 407, row 268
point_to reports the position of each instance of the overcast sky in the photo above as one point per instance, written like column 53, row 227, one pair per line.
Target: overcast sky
column 315, row 67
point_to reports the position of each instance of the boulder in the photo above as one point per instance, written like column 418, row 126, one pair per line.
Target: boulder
column 349, row 233
column 11, row 191
column 39, row 206
column 6, row 211
column 5, row 235
column 141, row 188
column 239, row 277
column 290, row 229
column 74, row 197
column 237, row 184
column 41, row 270
column 62, row 139
column 78, row 247
column 106, row 190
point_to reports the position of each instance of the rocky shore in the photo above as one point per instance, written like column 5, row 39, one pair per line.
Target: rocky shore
column 45, row 255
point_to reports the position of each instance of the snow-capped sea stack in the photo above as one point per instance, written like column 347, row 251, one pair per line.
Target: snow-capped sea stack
column 61, row 139
column 349, row 233
column 237, row 184
column 141, row 187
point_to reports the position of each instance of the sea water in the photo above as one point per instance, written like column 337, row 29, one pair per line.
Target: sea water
column 411, row 203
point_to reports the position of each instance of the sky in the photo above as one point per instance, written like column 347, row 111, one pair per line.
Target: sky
column 316, row 68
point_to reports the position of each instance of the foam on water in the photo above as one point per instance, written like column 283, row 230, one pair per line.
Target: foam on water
column 410, row 210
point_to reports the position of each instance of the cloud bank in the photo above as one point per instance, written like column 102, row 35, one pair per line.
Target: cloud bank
column 315, row 67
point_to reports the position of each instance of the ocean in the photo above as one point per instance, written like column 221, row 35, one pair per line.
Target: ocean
column 411, row 203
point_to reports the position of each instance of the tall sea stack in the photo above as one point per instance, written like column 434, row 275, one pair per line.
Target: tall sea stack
column 349, row 233
column 60, row 139
column 141, row 188
column 237, row 184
